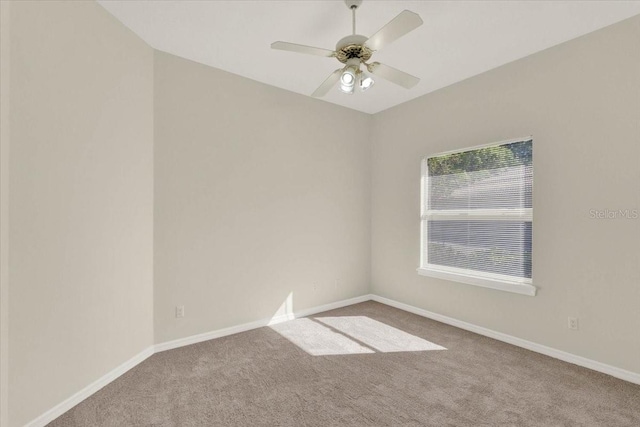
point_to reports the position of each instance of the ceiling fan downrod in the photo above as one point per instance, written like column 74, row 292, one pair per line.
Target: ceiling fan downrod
column 353, row 5
column 353, row 18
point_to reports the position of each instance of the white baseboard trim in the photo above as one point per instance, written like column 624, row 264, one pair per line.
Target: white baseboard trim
column 69, row 403
column 72, row 401
column 194, row 339
column 622, row 374
column 333, row 306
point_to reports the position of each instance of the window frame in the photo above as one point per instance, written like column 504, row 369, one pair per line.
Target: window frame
column 501, row 282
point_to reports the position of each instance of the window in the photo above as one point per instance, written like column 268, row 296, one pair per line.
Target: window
column 477, row 216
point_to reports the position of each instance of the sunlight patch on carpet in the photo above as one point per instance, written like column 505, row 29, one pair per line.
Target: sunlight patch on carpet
column 378, row 335
column 316, row 339
column 323, row 336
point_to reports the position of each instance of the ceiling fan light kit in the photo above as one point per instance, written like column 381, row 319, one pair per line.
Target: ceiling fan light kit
column 350, row 75
column 355, row 50
column 366, row 82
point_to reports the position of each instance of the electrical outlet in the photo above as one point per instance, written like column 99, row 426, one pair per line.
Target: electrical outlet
column 573, row 323
column 179, row 311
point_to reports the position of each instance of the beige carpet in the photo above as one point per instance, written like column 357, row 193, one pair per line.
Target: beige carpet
column 363, row 365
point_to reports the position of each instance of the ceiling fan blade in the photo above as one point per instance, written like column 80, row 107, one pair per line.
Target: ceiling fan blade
column 394, row 76
column 405, row 22
column 299, row 48
column 327, row 84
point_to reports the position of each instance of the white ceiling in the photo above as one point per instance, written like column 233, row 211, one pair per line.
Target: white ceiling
column 458, row 39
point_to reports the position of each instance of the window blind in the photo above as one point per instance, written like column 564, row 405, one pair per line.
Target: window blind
column 477, row 212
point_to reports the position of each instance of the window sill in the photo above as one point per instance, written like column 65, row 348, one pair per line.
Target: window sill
column 518, row 288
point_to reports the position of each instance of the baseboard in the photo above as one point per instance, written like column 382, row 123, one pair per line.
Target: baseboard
column 194, row 339
column 622, row 374
column 72, row 401
column 69, row 403
column 333, row 306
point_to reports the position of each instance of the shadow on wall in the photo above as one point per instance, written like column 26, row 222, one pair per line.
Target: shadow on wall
column 323, row 336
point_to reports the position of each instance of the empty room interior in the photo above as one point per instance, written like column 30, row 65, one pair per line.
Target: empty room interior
column 319, row 213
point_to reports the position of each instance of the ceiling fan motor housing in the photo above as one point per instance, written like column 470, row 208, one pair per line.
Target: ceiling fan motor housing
column 352, row 47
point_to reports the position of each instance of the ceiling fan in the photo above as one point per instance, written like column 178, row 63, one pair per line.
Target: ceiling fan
column 354, row 50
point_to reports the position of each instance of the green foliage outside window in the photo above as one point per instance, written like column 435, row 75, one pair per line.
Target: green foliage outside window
column 518, row 153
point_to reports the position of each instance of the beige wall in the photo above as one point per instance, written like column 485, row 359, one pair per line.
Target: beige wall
column 581, row 102
column 259, row 193
column 81, row 201
column 4, row 208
